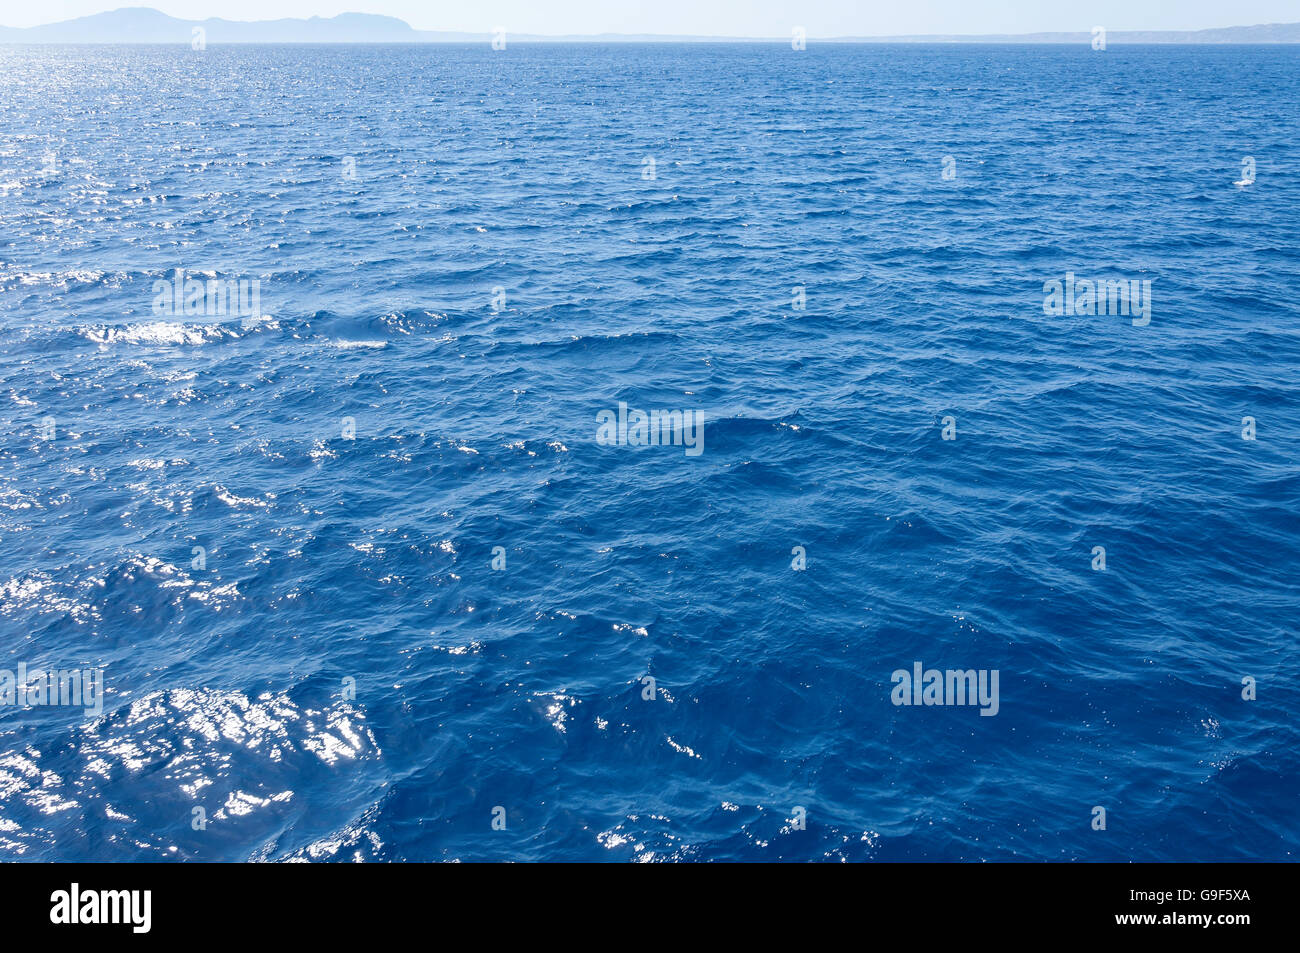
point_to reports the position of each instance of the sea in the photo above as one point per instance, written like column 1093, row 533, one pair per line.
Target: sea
column 649, row 452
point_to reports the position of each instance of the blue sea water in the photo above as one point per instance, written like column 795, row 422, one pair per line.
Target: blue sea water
column 276, row 532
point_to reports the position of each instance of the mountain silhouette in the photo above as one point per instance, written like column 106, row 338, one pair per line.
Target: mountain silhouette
column 146, row 25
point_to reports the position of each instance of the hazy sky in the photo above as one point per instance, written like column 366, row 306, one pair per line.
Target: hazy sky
column 721, row 17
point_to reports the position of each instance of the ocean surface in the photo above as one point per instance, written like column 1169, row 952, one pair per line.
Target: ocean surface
column 364, row 584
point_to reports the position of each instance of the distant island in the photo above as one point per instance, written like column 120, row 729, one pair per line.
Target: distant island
column 146, row 25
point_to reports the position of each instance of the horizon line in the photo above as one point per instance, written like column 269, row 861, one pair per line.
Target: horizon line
column 1037, row 37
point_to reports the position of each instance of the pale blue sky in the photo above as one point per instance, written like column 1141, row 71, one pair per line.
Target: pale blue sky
column 724, row 17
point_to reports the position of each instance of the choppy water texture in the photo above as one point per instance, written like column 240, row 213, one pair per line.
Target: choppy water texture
column 328, row 558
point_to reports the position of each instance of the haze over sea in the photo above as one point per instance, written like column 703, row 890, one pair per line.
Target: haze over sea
column 276, row 531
